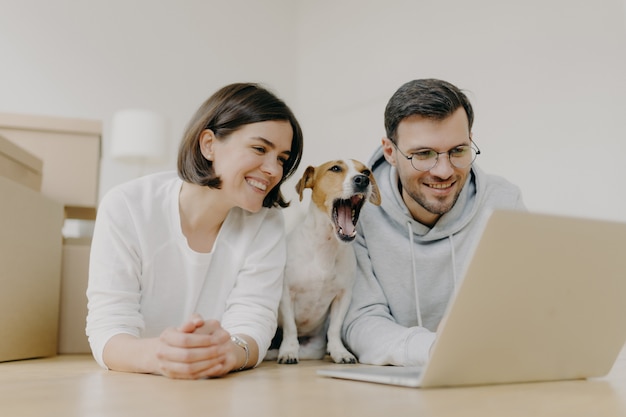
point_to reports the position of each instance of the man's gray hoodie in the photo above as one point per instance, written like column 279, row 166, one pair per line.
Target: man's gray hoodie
column 399, row 261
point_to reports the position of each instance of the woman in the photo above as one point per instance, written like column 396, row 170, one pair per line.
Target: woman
column 186, row 270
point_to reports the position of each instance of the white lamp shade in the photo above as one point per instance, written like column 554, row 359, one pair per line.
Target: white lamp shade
column 138, row 135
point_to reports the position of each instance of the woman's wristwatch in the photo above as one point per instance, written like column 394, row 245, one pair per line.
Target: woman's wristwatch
column 244, row 345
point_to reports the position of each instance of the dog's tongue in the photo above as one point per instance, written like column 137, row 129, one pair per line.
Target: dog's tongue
column 344, row 220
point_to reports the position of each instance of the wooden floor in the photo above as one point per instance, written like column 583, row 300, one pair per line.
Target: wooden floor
column 74, row 385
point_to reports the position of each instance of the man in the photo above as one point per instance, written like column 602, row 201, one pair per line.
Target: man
column 413, row 248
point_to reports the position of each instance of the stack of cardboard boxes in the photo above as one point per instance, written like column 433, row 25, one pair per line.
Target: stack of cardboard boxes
column 49, row 174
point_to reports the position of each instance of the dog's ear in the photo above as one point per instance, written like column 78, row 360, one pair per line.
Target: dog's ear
column 306, row 181
column 375, row 196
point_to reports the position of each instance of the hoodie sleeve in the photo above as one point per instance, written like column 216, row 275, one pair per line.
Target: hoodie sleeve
column 370, row 330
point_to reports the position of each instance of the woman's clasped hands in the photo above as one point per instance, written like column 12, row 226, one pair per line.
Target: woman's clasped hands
column 197, row 349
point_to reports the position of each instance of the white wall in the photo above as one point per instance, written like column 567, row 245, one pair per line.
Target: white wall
column 90, row 58
column 547, row 79
column 546, row 76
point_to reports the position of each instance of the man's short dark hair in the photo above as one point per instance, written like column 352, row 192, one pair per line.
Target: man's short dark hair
column 430, row 98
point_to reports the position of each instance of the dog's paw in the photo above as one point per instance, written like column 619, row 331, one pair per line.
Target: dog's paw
column 343, row 357
column 288, row 351
column 288, row 359
column 338, row 351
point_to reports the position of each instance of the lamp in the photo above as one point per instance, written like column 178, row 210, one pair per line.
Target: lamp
column 138, row 136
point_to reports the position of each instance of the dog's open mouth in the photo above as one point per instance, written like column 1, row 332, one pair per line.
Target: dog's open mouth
column 346, row 215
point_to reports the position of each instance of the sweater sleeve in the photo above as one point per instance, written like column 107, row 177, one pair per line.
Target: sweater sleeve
column 113, row 290
column 371, row 332
column 252, row 306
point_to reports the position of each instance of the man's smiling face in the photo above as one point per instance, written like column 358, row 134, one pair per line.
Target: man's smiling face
column 429, row 194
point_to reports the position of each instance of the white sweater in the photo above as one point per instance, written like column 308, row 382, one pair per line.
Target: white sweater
column 143, row 277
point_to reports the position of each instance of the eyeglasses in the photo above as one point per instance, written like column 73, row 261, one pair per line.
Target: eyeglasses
column 426, row 159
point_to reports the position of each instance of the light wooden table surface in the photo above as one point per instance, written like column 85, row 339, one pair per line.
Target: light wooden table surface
column 73, row 385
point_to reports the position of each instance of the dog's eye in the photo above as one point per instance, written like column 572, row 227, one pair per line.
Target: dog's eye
column 366, row 172
column 336, row 168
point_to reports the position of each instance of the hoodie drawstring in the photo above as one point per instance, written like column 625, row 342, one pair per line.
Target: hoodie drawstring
column 414, row 267
column 418, row 310
column 454, row 281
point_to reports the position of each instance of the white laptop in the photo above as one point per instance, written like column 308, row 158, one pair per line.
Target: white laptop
column 543, row 299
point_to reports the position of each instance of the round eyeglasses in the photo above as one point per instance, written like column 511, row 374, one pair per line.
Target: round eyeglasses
column 460, row 157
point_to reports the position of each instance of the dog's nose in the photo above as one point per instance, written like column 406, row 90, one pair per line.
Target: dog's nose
column 361, row 182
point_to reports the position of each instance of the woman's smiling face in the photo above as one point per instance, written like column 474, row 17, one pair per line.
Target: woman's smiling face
column 249, row 161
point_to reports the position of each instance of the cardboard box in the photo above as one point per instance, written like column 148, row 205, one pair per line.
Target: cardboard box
column 73, row 307
column 70, row 150
column 19, row 165
column 30, row 272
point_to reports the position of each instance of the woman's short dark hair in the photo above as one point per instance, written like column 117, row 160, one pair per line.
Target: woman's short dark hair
column 430, row 98
column 226, row 111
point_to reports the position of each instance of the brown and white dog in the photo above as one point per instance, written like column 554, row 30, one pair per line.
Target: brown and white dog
column 321, row 265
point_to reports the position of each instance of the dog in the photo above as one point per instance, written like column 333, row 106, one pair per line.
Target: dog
column 321, row 264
